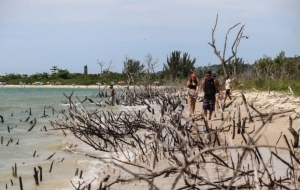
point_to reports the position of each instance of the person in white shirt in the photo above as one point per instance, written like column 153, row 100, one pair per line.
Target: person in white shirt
column 228, row 88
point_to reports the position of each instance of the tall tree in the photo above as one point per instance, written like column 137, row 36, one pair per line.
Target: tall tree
column 63, row 73
column 179, row 66
column 54, row 69
column 101, row 65
column 132, row 68
column 150, row 64
column 234, row 46
column 106, row 70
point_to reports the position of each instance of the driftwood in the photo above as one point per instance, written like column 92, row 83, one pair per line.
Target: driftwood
column 234, row 46
column 33, row 124
column 294, row 133
column 274, row 113
column 247, row 109
column 290, row 89
column 228, row 104
column 144, row 142
column 20, row 182
column 35, row 175
column 51, row 166
column 41, row 172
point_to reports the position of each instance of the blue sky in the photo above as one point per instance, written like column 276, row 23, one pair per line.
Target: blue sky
column 36, row 35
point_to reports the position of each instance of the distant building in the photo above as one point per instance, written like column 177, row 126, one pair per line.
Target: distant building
column 85, row 70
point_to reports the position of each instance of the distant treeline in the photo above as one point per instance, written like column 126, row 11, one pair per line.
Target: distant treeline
column 278, row 73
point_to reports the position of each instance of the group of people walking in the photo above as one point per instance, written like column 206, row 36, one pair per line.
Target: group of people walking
column 212, row 92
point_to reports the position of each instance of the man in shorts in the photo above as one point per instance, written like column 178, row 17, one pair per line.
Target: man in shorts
column 210, row 87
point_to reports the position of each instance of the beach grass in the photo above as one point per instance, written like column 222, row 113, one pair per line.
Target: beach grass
column 278, row 85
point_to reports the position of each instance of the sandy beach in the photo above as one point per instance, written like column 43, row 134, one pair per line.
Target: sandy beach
column 72, row 86
column 283, row 107
column 53, row 86
column 271, row 133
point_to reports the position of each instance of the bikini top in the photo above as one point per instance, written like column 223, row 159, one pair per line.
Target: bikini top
column 192, row 86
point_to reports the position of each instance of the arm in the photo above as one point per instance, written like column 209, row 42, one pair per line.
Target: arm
column 230, row 85
column 203, row 86
column 187, row 84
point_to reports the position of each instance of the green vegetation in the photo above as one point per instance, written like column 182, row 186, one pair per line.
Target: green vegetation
column 276, row 74
column 263, row 84
column 71, row 78
column 279, row 74
column 179, row 66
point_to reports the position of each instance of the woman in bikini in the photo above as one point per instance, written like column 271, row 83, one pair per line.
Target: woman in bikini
column 192, row 86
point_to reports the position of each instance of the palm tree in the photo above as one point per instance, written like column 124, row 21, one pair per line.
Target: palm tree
column 54, row 69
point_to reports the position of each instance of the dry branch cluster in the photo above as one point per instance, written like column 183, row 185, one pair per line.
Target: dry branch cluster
column 158, row 141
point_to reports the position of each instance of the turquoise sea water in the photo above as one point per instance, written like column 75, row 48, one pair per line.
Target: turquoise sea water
column 29, row 149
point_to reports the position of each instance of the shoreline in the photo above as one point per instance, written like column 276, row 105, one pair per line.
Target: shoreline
column 74, row 86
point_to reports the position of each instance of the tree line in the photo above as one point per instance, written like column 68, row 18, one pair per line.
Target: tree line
column 177, row 68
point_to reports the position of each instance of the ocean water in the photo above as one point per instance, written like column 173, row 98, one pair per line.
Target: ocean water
column 21, row 108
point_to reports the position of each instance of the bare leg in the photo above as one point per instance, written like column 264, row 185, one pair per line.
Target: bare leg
column 190, row 107
column 225, row 98
column 193, row 100
column 217, row 104
column 205, row 114
column 210, row 114
column 227, row 95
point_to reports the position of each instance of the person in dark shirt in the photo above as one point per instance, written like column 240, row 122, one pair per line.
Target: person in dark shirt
column 210, row 87
column 192, row 86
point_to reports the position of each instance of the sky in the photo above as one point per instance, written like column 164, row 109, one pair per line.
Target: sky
column 36, row 35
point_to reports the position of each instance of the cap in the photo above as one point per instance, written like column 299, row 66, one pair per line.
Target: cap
column 112, row 83
column 193, row 75
column 214, row 75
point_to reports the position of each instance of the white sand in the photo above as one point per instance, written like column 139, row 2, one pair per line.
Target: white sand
column 264, row 103
column 270, row 135
column 72, row 86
